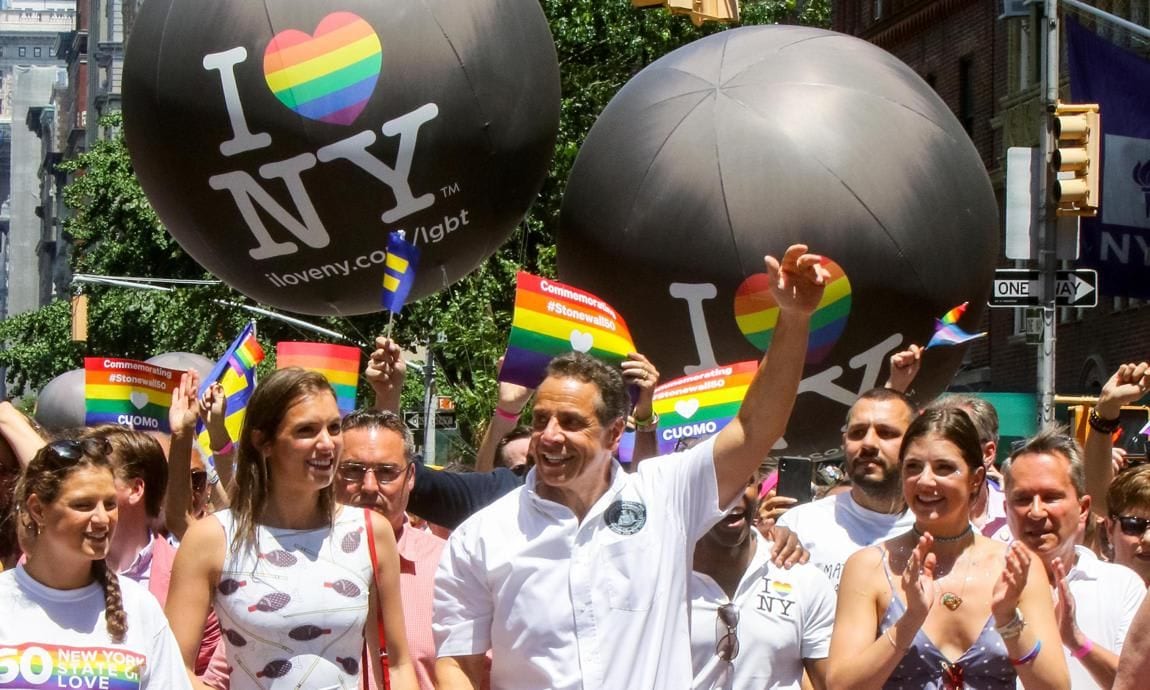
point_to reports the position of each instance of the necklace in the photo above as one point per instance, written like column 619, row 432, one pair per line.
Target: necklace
column 949, row 599
column 945, row 540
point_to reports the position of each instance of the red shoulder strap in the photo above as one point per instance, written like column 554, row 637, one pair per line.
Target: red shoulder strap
column 378, row 605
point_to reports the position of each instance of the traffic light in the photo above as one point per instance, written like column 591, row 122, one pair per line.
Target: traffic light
column 699, row 10
column 1077, row 131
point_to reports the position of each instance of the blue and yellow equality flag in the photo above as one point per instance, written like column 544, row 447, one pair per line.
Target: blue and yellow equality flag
column 399, row 271
column 236, row 372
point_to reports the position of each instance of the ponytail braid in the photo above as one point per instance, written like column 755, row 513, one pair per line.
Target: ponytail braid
column 114, row 615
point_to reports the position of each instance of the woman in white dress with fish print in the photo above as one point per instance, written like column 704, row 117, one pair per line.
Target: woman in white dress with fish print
column 288, row 570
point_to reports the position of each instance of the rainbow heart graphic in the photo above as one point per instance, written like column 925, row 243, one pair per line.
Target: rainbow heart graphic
column 756, row 312
column 329, row 76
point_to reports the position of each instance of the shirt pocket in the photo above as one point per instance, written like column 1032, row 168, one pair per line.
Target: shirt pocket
column 630, row 572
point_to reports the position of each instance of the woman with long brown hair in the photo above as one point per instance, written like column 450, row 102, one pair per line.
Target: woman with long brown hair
column 295, row 579
column 942, row 607
column 69, row 620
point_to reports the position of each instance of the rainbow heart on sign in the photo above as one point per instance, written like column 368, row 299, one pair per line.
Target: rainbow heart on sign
column 329, row 76
column 756, row 312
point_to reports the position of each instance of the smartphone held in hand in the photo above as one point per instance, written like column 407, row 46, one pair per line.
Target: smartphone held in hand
column 795, row 473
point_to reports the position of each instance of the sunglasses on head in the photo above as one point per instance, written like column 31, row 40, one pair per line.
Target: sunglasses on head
column 1132, row 526
column 199, row 480
column 74, row 449
column 357, row 471
column 728, row 646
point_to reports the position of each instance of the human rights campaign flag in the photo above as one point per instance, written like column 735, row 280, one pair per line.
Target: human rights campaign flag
column 1117, row 241
column 398, row 271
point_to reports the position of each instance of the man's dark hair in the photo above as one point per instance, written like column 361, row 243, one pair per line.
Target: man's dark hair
column 371, row 418
column 614, row 402
column 515, row 434
column 884, row 395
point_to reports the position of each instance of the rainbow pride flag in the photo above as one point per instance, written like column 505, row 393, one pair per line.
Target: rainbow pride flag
column 235, row 371
column 553, row 319
column 702, row 403
column 696, row 406
column 756, row 313
column 47, row 665
column 328, row 76
column 948, row 332
column 129, row 393
column 338, row 363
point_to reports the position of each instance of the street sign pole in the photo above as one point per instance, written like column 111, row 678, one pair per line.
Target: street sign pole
column 429, row 406
column 1048, row 252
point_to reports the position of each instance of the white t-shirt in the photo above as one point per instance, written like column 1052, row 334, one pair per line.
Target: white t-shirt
column 1106, row 597
column 785, row 616
column 833, row 528
column 593, row 605
column 51, row 638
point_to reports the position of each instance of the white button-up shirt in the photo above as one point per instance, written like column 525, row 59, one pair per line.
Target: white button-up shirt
column 592, row 605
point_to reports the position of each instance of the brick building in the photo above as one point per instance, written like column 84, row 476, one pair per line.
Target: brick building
column 986, row 68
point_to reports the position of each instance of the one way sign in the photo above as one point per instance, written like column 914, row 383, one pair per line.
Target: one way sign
column 1015, row 287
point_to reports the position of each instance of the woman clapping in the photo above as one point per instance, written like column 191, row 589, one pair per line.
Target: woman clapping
column 942, row 607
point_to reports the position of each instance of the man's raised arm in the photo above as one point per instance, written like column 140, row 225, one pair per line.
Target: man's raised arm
column 797, row 284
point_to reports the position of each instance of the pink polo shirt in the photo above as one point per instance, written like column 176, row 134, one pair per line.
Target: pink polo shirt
column 418, row 559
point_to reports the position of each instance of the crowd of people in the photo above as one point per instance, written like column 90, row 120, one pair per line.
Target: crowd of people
column 317, row 551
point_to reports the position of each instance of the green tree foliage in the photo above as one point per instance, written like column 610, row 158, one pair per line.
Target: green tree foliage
column 600, row 44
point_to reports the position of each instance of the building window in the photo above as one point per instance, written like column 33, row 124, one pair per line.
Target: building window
column 966, row 93
column 37, row 51
column 23, row 51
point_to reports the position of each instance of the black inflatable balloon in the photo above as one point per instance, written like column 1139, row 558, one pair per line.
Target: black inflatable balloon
column 747, row 141
column 281, row 141
column 60, row 403
column 183, row 361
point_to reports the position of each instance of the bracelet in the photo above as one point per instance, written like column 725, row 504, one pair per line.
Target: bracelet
column 1103, row 426
column 213, row 476
column 649, row 424
column 1029, row 657
column 509, row 416
column 1013, row 628
column 225, row 449
column 1083, row 650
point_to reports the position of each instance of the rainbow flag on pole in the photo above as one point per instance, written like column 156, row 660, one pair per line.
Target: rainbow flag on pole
column 236, row 372
column 553, row 319
column 128, row 393
column 948, row 332
column 338, row 363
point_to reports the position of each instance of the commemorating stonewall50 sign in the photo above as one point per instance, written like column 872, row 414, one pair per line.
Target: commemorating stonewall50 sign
column 701, row 404
column 552, row 319
column 128, row 393
column 280, row 141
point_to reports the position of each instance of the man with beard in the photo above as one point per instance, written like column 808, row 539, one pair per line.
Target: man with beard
column 873, row 510
column 782, row 618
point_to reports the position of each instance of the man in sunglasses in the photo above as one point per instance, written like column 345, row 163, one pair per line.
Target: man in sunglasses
column 1047, row 508
column 375, row 471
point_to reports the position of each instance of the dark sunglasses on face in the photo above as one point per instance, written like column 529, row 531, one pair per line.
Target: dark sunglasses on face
column 199, row 480
column 1132, row 526
column 72, row 449
column 357, row 471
